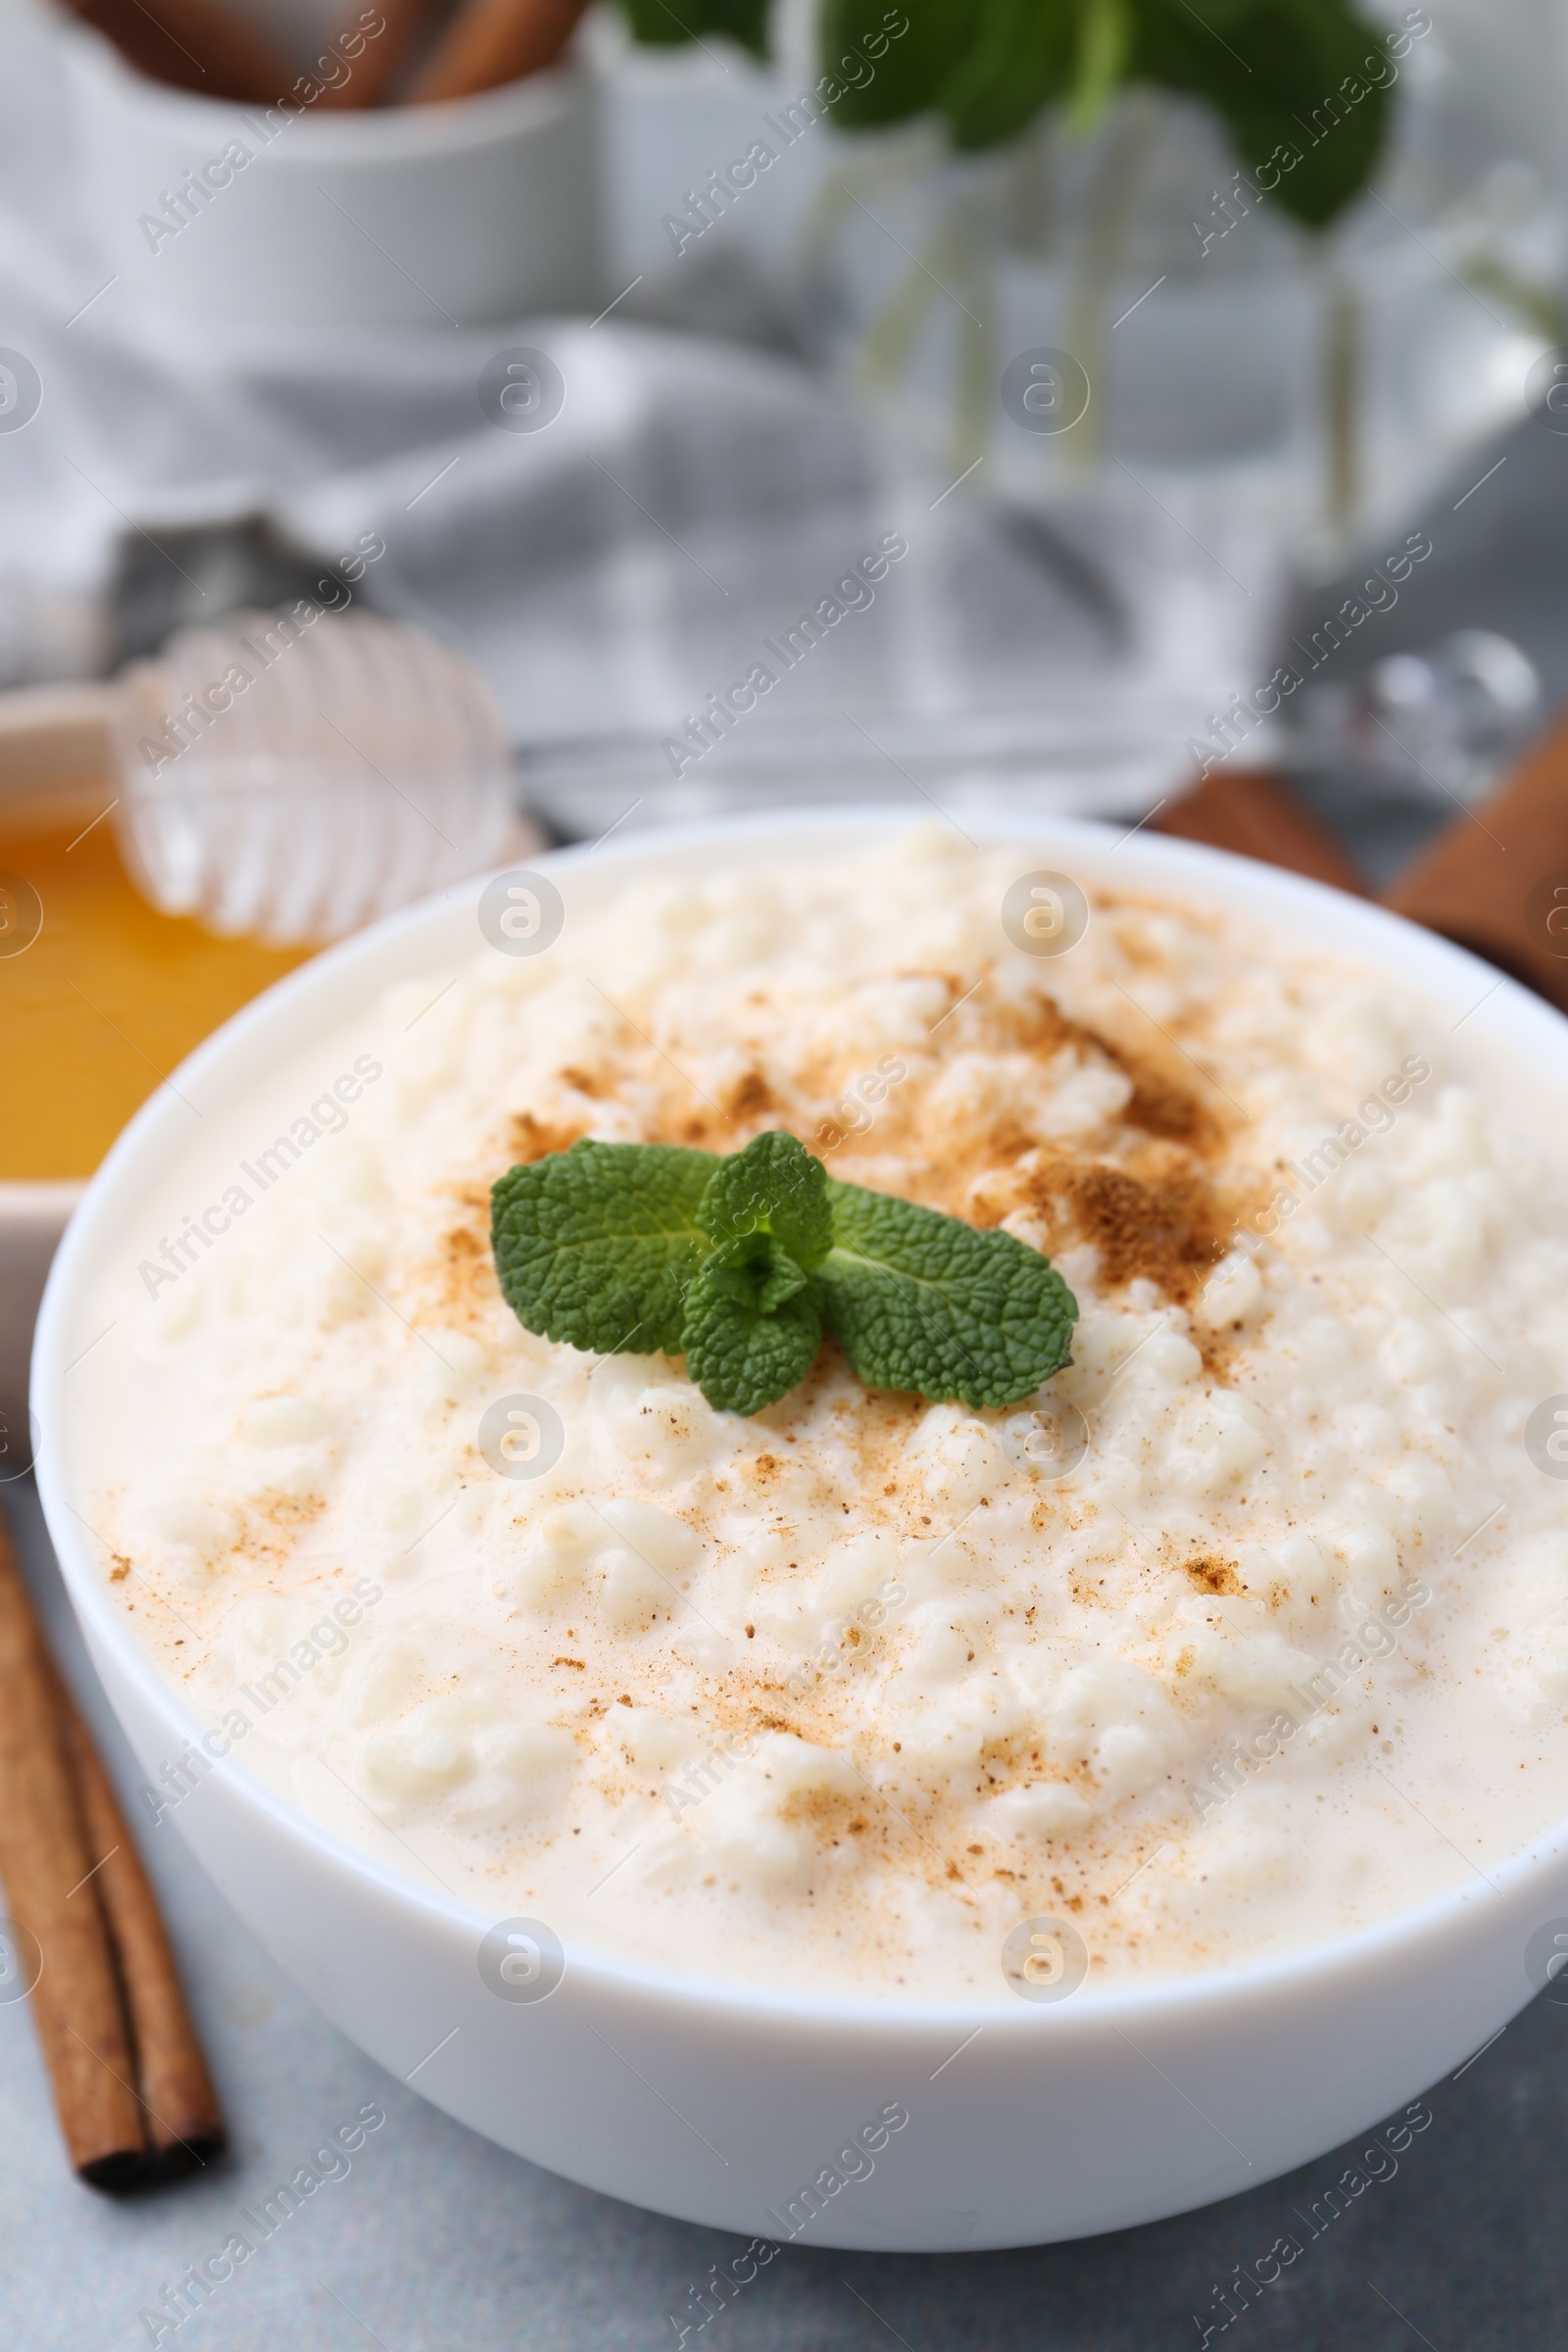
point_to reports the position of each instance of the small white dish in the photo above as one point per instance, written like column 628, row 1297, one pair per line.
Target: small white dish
column 399, row 216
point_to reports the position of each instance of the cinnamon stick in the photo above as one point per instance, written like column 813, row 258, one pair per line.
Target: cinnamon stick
column 1256, row 815
column 489, row 42
column 184, row 2124
column 1496, row 880
column 46, row 1866
column 380, row 61
column 193, row 45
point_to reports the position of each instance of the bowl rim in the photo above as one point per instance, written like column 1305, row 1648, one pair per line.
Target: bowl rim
column 1162, row 865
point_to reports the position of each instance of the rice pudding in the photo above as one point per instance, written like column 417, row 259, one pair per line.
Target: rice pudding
column 1250, row 1628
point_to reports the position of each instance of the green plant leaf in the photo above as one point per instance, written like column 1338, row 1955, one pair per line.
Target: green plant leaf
column 773, row 1186
column 1021, row 58
column 737, row 1263
column 662, row 26
column 1282, row 75
column 909, row 76
column 597, row 1246
column 923, row 1302
column 754, row 1323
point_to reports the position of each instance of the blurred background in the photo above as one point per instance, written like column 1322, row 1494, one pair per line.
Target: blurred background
column 1154, row 336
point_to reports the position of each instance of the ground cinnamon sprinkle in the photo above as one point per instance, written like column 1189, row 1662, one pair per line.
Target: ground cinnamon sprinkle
column 1162, row 1227
column 750, row 1096
column 1162, row 1105
column 1159, row 1107
column 1213, row 1575
column 530, row 1139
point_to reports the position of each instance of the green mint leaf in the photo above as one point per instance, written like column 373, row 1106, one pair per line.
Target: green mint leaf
column 1291, row 74
column 923, row 1302
column 662, row 25
column 1023, row 57
column 597, row 1246
column 738, row 1264
column 754, row 1323
column 774, row 1186
column 907, row 75
column 1280, row 73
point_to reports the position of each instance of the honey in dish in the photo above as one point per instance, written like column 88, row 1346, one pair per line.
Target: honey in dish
column 106, row 1001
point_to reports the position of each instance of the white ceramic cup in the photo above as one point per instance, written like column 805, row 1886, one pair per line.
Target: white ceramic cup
column 399, row 217
column 712, row 2100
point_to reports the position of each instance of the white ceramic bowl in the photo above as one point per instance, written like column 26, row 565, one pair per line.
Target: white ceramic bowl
column 716, row 2102
column 405, row 216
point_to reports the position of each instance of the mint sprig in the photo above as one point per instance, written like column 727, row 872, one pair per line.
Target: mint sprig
column 1289, row 76
column 1275, row 71
column 740, row 1263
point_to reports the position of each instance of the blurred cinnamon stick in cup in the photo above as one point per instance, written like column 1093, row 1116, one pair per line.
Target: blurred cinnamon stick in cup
column 1496, row 880
column 84, row 1937
column 489, row 42
column 193, row 45
column 377, row 63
